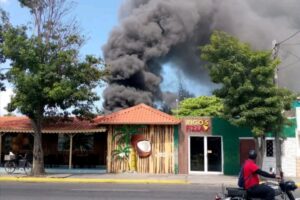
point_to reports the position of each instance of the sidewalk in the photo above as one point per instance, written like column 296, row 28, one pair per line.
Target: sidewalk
column 100, row 176
column 89, row 176
column 124, row 178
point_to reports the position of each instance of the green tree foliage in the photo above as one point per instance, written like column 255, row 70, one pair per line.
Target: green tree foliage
column 247, row 77
column 200, row 106
column 3, row 22
column 47, row 74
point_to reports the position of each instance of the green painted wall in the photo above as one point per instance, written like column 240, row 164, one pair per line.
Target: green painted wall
column 290, row 130
column 230, row 136
column 296, row 104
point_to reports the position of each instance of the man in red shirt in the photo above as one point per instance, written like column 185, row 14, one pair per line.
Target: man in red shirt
column 251, row 179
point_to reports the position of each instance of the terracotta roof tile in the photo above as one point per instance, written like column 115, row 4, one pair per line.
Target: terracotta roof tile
column 139, row 114
column 19, row 124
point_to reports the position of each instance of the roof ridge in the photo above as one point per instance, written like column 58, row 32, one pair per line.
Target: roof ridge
column 135, row 115
column 163, row 114
column 123, row 110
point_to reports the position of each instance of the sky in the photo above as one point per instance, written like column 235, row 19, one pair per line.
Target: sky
column 96, row 19
column 188, row 24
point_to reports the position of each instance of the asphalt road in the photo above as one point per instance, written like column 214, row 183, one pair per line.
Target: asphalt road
column 57, row 191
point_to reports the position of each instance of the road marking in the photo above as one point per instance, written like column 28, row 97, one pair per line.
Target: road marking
column 110, row 190
column 91, row 180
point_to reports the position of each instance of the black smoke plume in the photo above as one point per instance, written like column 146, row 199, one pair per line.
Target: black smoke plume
column 154, row 32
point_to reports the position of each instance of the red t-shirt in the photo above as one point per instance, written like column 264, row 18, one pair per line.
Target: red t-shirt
column 250, row 178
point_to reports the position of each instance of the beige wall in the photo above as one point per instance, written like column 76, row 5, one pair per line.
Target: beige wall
column 184, row 134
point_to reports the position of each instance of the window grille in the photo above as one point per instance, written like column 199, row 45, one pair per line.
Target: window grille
column 270, row 148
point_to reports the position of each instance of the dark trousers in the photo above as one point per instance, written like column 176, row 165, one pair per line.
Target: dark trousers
column 261, row 191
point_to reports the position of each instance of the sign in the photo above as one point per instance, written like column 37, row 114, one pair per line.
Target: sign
column 197, row 125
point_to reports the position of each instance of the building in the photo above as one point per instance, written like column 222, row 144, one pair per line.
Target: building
column 66, row 143
column 142, row 124
column 146, row 140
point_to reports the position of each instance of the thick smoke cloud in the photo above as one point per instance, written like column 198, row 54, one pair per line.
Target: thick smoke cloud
column 154, row 32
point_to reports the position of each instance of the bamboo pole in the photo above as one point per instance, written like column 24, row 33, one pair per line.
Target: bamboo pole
column 167, row 150
column 151, row 158
column 109, row 149
column 172, row 150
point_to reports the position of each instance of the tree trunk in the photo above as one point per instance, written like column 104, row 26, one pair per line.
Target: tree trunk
column 260, row 147
column 1, row 147
column 278, row 153
column 38, row 154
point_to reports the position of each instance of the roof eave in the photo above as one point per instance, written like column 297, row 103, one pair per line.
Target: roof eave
column 55, row 131
column 137, row 123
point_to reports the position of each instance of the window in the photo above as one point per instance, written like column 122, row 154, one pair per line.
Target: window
column 8, row 143
column 81, row 142
column 20, row 143
column 269, row 148
column 63, row 142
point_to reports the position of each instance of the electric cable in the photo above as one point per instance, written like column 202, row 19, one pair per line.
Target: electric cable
column 291, row 36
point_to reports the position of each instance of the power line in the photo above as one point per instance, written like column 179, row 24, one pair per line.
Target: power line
column 291, row 53
column 290, row 44
column 293, row 63
column 291, row 36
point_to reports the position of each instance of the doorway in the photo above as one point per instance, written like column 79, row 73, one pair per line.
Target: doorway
column 205, row 154
column 245, row 145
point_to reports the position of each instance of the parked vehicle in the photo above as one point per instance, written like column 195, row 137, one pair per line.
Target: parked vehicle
column 283, row 190
column 13, row 162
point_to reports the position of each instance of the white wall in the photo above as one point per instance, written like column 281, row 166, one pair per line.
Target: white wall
column 289, row 155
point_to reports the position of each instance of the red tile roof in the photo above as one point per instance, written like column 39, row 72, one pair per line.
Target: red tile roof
column 23, row 124
column 139, row 114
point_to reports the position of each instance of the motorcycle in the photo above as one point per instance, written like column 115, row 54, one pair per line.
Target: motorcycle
column 283, row 190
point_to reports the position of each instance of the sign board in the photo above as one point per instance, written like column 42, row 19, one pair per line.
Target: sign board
column 197, row 125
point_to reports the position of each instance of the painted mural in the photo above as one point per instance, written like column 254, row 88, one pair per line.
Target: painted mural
column 142, row 149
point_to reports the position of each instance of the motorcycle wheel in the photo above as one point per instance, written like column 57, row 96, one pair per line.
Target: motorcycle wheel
column 10, row 167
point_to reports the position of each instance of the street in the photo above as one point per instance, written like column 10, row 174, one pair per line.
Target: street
column 57, row 191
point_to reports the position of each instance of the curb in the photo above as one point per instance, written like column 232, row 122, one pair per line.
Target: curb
column 83, row 180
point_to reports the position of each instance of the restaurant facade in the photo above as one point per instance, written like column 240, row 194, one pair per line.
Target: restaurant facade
column 145, row 140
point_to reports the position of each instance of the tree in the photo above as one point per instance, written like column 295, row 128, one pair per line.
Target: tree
column 3, row 22
column 47, row 75
column 200, row 106
column 250, row 97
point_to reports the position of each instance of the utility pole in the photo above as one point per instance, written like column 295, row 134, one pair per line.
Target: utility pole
column 275, row 50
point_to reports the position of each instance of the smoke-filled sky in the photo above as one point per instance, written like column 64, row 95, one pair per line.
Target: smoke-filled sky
column 155, row 42
column 152, row 34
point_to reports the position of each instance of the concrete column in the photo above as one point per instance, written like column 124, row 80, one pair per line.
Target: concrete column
column 71, row 151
